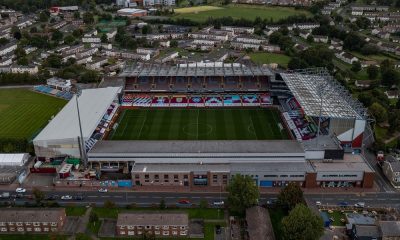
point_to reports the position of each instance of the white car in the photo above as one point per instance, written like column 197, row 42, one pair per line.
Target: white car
column 103, row 190
column 66, row 197
column 20, row 190
column 218, row 203
column 318, row 203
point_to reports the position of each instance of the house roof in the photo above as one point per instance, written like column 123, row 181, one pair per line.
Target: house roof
column 152, row 219
column 31, row 215
column 390, row 228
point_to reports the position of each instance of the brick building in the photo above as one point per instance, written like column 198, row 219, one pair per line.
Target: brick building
column 32, row 220
column 157, row 224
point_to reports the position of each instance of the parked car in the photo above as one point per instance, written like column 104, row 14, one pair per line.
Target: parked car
column 184, row 202
column 103, row 190
column 218, row 229
column 359, row 205
column 272, row 201
column 318, row 203
column 20, row 190
column 79, row 197
column 5, row 195
column 218, row 203
column 66, row 197
column 50, row 198
column 343, row 204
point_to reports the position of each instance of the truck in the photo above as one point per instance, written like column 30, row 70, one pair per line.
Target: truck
column 380, row 158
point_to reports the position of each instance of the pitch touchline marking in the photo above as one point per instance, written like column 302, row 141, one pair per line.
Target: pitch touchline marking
column 251, row 120
column 145, row 118
column 187, row 132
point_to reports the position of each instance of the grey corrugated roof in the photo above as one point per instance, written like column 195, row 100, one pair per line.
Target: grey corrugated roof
column 390, row 228
column 93, row 104
column 259, row 224
column 31, row 215
column 198, row 146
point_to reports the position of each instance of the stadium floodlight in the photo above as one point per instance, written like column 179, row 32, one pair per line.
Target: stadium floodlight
column 82, row 140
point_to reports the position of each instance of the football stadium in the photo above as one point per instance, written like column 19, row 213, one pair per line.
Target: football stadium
column 194, row 126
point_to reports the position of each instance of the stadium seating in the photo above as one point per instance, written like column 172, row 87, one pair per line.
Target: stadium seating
column 161, row 84
column 263, row 83
column 143, row 84
column 213, row 101
column 130, row 84
column 127, row 99
column 250, row 100
column 231, row 84
column 249, row 84
column 179, row 101
column 179, row 84
column 265, row 99
column 232, row 100
column 141, row 100
column 160, row 101
column 213, row 84
column 196, row 85
column 196, row 101
column 52, row 91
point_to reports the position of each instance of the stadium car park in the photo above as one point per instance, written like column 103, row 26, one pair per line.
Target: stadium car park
column 194, row 126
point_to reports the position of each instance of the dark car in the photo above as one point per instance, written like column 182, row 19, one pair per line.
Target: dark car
column 343, row 204
column 78, row 197
column 218, row 229
column 50, row 198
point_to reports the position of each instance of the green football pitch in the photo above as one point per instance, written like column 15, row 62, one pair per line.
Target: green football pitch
column 23, row 112
column 199, row 124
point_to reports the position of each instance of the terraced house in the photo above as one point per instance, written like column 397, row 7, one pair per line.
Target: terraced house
column 32, row 220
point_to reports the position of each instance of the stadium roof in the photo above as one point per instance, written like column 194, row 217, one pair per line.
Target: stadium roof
column 196, row 69
column 197, row 146
column 308, row 87
column 13, row 159
column 93, row 104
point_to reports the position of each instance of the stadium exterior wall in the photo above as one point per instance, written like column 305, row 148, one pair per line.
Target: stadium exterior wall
column 53, row 148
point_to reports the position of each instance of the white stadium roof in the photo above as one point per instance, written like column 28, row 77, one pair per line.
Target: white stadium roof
column 93, row 104
column 16, row 159
column 336, row 101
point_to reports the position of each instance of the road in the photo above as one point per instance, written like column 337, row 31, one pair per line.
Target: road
column 380, row 179
column 149, row 198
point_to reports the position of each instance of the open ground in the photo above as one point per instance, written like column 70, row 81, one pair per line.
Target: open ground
column 200, row 124
column 23, row 112
column 201, row 14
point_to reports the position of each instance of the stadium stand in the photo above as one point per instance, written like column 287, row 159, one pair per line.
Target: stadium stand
column 249, row 83
column 179, row 101
column 179, row 84
column 250, row 100
column 127, row 99
column 142, row 100
column 213, row 101
column 160, row 101
column 144, row 84
column 213, row 83
column 52, row 91
column 196, row 101
column 265, row 99
column 232, row 100
column 161, row 84
column 231, row 83
column 196, row 84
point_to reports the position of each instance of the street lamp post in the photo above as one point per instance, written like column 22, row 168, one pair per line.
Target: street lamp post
column 82, row 141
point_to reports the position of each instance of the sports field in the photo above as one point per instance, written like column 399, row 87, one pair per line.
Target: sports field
column 23, row 112
column 199, row 124
column 202, row 13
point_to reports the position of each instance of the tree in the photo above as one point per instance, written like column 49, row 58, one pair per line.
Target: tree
column 291, row 195
column 88, row 18
column 390, row 77
column 4, row 41
column 302, row 223
column 57, row 36
column 23, row 61
column 39, row 195
column 379, row 112
column 243, row 193
column 356, row 66
column 69, row 39
column 372, row 71
column 146, row 29
column 93, row 217
column 162, row 204
column 203, row 204
column 44, row 16
column 174, row 43
column 353, row 42
column 104, row 38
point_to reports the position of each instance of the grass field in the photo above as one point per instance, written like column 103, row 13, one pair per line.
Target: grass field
column 201, row 14
column 23, row 112
column 199, row 124
column 266, row 58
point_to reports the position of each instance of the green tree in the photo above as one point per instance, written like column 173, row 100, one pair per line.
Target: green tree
column 390, row 77
column 372, row 71
column 88, row 18
column 174, row 43
column 23, row 61
column 44, row 16
column 146, row 29
column 356, row 66
column 39, row 195
column 4, row 41
column 379, row 112
column 203, row 204
column 93, row 217
column 302, row 224
column 291, row 195
column 243, row 193
column 69, row 39
column 162, row 204
column 104, row 38
column 57, row 36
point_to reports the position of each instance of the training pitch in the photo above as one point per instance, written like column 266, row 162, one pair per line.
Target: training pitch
column 200, row 124
column 23, row 112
